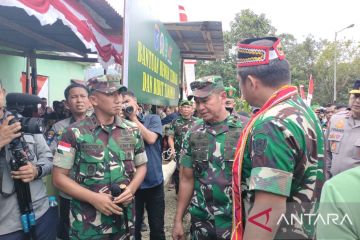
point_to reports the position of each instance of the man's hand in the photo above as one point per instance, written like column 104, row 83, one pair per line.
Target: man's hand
column 26, row 173
column 178, row 231
column 125, row 198
column 9, row 132
column 103, row 202
column 172, row 152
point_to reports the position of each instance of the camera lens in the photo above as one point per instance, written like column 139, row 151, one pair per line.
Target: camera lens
column 128, row 109
column 32, row 125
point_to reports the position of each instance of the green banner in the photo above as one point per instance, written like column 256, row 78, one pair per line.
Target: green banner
column 153, row 58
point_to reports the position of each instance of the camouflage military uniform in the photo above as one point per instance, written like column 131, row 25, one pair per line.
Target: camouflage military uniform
column 209, row 150
column 178, row 129
column 56, row 131
column 284, row 155
column 99, row 156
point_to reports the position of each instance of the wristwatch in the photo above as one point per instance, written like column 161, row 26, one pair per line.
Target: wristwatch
column 39, row 171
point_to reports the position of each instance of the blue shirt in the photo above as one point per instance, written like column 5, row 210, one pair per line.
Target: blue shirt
column 170, row 118
column 154, row 174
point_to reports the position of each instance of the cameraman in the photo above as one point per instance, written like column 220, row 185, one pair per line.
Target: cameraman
column 151, row 192
column 46, row 218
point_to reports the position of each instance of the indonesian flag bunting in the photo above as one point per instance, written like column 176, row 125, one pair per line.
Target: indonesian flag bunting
column 77, row 17
column 302, row 92
column 310, row 90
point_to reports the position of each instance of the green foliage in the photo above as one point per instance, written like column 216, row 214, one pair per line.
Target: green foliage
column 247, row 24
column 242, row 106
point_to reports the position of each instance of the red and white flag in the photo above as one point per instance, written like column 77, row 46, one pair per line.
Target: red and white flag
column 64, row 146
column 310, row 90
column 302, row 92
column 182, row 14
column 189, row 68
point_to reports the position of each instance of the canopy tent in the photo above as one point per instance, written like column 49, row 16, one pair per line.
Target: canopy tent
column 198, row 40
column 47, row 27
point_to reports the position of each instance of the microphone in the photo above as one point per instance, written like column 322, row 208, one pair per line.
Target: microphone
column 23, row 99
column 116, row 190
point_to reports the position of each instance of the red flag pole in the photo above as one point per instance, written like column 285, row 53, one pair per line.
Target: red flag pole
column 302, row 92
column 310, row 90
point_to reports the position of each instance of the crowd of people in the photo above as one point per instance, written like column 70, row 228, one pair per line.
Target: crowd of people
column 239, row 176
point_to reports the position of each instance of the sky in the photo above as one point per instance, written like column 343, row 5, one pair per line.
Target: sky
column 317, row 17
column 298, row 17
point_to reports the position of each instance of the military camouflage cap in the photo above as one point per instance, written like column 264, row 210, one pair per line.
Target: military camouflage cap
column 356, row 88
column 230, row 92
column 106, row 84
column 204, row 86
column 185, row 102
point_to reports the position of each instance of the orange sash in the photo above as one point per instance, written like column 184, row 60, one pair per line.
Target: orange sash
column 282, row 94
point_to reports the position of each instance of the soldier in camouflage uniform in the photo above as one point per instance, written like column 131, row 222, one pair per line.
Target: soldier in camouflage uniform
column 77, row 101
column 206, row 165
column 176, row 134
column 280, row 154
column 230, row 103
column 99, row 151
column 230, row 99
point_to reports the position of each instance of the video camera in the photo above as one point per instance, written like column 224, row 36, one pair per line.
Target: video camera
column 18, row 104
column 127, row 109
column 322, row 110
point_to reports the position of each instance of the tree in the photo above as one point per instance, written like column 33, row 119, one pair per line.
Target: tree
column 245, row 24
column 311, row 56
column 348, row 69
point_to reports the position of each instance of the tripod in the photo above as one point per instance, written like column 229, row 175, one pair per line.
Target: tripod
column 21, row 156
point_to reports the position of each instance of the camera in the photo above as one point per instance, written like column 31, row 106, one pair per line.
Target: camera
column 127, row 109
column 322, row 110
column 28, row 124
column 21, row 105
column 18, row 146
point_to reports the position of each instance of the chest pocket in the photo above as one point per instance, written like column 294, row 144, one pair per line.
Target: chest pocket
column 127, row 152
column 178, row 130
column 92, row 164
column 199, row 143
column 334, row 139
column 356, row 150
column 29, row 139
column 230, row 144
column 229, row 150
column 127, row 158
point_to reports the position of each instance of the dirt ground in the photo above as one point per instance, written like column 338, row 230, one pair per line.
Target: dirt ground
column 170, row 209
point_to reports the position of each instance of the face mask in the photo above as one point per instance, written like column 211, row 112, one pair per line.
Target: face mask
column 140, row 116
